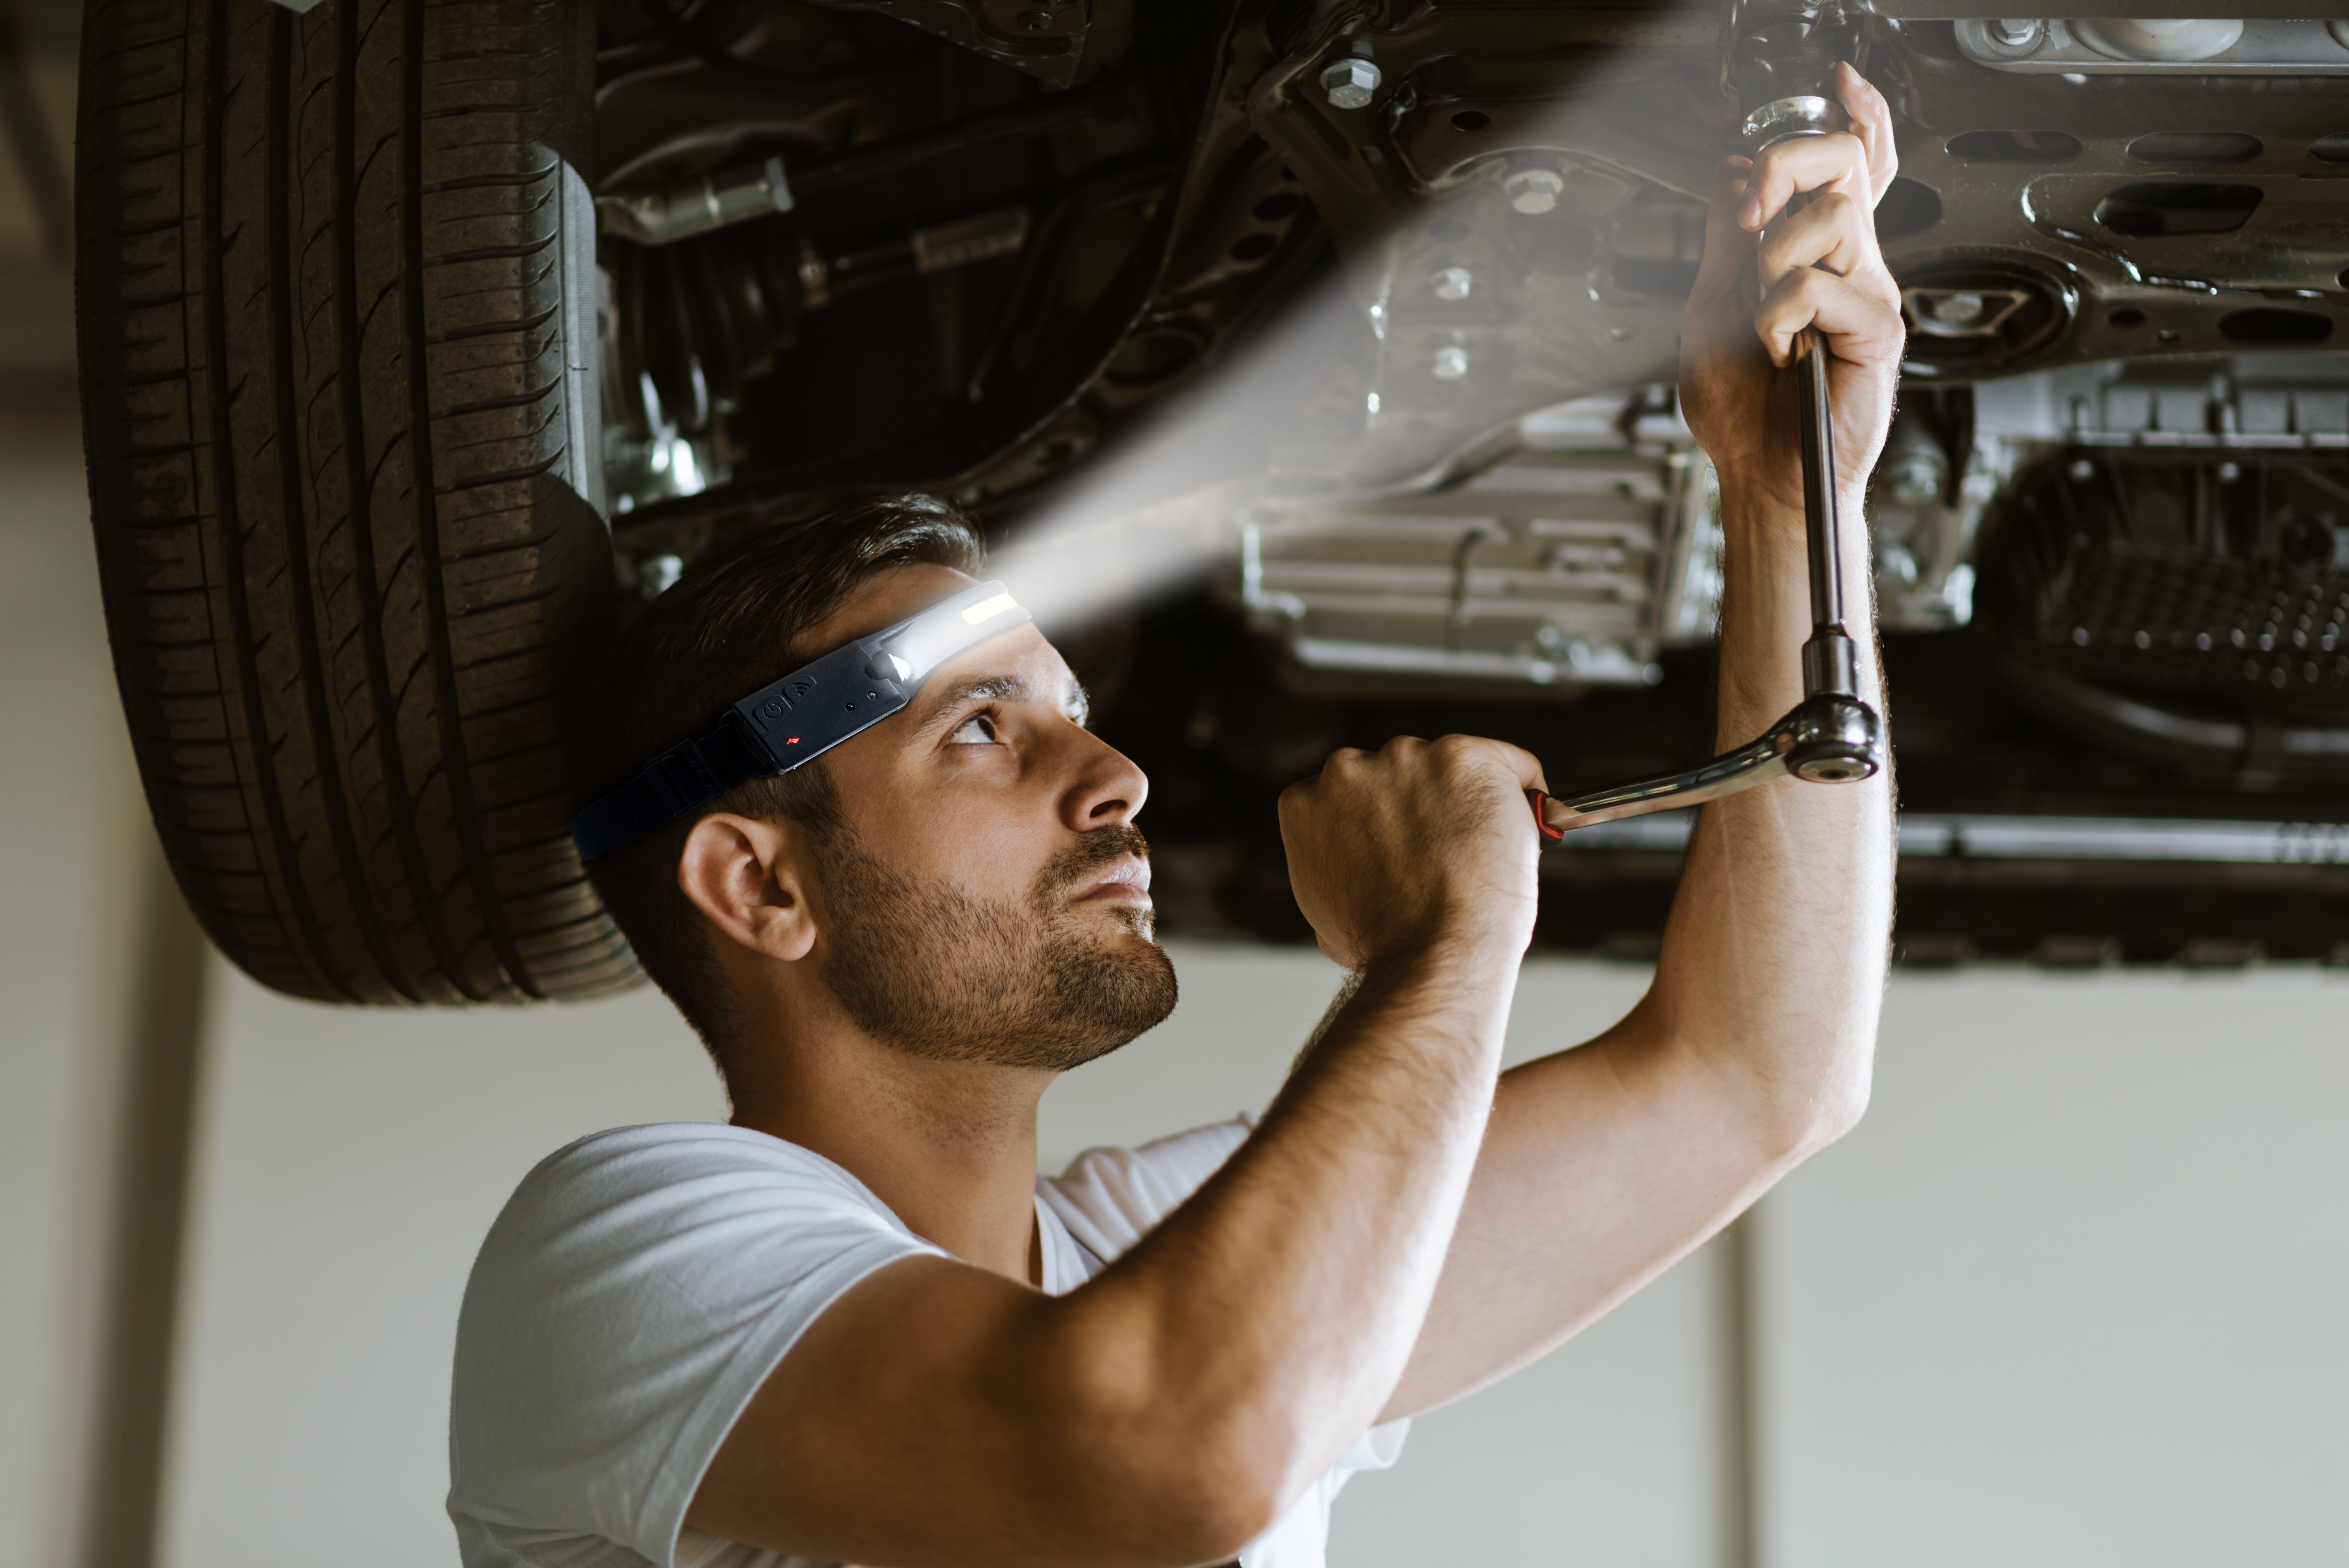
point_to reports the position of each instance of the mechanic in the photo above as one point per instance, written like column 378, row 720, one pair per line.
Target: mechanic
column 853, row 1326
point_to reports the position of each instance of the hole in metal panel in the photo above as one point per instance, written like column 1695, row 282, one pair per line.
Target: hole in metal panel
column 2015, row 147
column 1908, row 208
column 2159, row 209
column 2195, row 147
column 2269, row 325
column 1471, row 119
column 2333, row 148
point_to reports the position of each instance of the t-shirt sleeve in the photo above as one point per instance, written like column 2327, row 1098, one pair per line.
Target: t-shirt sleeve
column 1110, row 1198
column 636, row 1292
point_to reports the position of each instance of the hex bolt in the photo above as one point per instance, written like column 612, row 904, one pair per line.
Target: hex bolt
column 1451, row 364
column 1451, row 282
column 1036, row 21
column 1534, row 191
column 1350, row 83
column 2015, row 31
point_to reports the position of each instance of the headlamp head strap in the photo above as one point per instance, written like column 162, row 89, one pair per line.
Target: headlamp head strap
column 800, row 716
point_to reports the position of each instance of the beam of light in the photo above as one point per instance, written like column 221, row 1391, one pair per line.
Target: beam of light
column 1410, row 367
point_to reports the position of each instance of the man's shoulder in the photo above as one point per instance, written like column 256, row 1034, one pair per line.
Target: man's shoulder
column 636, row 1291
column 1110, row 1198
column 686, row 1198
column 615, row 1175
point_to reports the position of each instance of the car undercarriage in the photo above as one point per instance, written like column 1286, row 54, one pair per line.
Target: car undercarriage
column 1407, row 282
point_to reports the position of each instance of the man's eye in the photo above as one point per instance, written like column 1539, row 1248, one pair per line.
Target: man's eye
column 977, row 731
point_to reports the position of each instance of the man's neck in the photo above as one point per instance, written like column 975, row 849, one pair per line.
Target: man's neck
column 950, row 1145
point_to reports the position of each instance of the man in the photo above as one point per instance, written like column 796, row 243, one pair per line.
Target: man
column 854, row 1327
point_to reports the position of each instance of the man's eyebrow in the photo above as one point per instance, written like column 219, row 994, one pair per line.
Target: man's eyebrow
column 987, row 689
column 992, row 688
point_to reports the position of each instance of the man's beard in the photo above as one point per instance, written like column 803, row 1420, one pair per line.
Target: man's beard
column 938, row 973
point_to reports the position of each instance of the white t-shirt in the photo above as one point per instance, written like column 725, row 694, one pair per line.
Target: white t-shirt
column 641, row 1283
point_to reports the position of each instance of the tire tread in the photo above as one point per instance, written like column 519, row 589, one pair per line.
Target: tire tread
column 346, row 566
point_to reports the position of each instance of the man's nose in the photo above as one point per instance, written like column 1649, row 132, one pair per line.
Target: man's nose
column 1107, row 789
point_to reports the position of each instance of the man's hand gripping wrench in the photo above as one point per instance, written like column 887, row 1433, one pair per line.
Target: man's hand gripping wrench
column 1832, row 737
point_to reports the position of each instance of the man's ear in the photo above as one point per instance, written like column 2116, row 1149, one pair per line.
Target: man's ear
column 747, row 876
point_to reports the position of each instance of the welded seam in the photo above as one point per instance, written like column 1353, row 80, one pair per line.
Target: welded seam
column 327, row 753
column 455, row 765
column 401, row 806
column 261, row 754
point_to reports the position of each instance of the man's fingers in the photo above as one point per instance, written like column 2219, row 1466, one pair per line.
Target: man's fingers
column 1860, row 316
column 1871, row 122
column 1834, row 233
column 1803, row 163
column 1522, row 766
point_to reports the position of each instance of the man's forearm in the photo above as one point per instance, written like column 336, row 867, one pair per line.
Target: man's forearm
column 1773, row 961
column 1310, row 1321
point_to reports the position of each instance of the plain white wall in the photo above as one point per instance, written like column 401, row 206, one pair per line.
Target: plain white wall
column 2077, row 1290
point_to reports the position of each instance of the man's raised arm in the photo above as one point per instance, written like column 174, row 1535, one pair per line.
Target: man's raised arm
column 1752, row 1049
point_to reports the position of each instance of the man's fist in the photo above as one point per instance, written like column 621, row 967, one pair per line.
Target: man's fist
column 1767, row 275
column 1422, row 841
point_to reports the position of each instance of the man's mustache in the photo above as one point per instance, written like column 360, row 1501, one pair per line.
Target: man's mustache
column 1079, row 861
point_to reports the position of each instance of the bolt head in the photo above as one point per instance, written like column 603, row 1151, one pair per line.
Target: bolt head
column 1534, row 191
column 2015, row 32
column 1451, row 282
column 1350, row 83
column 1957, row 307
column 1036, row 21
column 1451, row 364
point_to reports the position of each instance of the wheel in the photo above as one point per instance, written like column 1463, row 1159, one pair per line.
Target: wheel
column 336, row 316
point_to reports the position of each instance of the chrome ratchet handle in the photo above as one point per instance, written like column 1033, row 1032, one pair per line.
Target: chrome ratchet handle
column 1832, row 737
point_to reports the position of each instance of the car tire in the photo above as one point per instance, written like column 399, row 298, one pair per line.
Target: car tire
column 336, row 286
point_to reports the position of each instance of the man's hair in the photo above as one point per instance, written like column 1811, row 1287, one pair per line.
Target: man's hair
column 734, row 623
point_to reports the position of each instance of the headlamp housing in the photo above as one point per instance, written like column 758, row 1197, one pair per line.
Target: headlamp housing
column 799, row 718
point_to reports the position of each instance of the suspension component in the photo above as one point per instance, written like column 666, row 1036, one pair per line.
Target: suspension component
column 696, row 321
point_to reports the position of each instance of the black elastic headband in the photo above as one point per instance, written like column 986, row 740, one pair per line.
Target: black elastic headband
column 800, row 716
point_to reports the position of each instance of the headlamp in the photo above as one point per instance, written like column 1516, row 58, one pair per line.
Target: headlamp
column 796, row 718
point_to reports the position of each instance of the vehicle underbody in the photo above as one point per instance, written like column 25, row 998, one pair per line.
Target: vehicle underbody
column 1404, row 284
